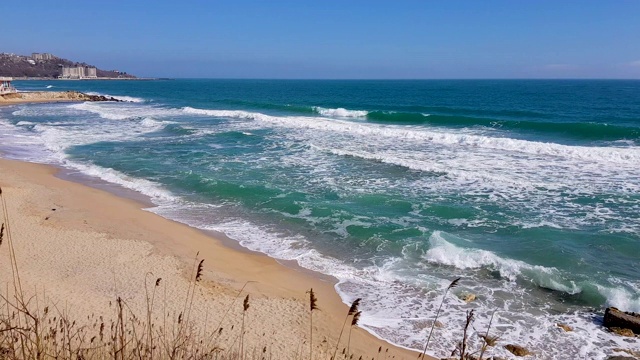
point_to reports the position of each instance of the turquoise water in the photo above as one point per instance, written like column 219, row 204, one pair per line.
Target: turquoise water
column 528, row 190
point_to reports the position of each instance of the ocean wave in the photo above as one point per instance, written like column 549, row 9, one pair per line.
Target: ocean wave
column 622, row 296
column 435, row 169
column 574, row 130
column 153, row 123
column 340, row 112
column 153, row 190
column 240, row 114
column 25, row 123
column 443, row 252
column 590, row 153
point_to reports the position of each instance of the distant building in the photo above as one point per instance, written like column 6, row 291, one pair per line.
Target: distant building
column 5, row 85
column 42, row 56
column 90, row 73
column 78, row 72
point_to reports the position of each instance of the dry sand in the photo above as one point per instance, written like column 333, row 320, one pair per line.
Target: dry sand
column 83, row 247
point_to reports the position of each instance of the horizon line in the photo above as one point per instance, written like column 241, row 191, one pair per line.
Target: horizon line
column 345, row 79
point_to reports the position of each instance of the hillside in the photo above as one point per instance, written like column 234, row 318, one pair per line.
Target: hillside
column 18, row 66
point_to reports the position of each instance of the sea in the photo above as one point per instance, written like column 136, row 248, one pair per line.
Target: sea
column 527, row 190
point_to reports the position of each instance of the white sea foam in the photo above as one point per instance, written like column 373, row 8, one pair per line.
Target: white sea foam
column 49, row 86
column 120, row 111
column 627, row 299
column 101, row 111
column 152, row 123
column 19, row 143
column 156, row 192
column 24, row 123
column 59, row 138
column 340, row 112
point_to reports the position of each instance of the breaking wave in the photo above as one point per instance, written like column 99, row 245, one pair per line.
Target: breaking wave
column 340, row 112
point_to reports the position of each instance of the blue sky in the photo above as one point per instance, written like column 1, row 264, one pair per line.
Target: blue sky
column 334, row 39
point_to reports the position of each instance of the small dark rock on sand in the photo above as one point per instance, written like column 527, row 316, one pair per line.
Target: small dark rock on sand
column 517, row 350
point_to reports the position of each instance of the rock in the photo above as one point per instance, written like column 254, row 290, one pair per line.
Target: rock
column 100, row 98
column 636, row 354
column 618, row 357
column 468, row 297
column 438, row 324
column 622, row 332
column 490, row 340
column 564, row 327
column 620, row 319
column 517, row 350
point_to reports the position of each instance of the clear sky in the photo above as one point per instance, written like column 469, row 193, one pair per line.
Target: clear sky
column 334, row 39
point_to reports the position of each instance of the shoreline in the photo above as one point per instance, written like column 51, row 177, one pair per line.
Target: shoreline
column 226, row 266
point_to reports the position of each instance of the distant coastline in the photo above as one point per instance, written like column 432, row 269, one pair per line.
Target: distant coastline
column 93, row 79
column 46, row 66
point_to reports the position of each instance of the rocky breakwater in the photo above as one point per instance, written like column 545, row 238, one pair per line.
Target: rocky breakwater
column 52, row 96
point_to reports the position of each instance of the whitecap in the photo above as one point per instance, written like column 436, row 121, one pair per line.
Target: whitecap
column 340, row 112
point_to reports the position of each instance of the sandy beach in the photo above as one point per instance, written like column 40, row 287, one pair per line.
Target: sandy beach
column 79, row 248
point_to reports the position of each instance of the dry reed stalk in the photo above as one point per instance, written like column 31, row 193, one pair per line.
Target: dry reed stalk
column 192, row 287
column 149, row 302
column 486, row 340
column 192, row 283
column 224, row 316
column 17, row 284
column 352, row 310
column 199, row 272
column 463, row 344
column 354, row 322
column 453, row 284
column 313, row 305
column 245, row 307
